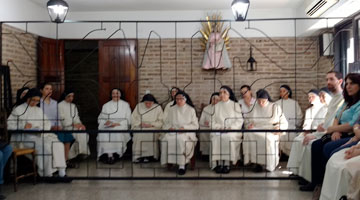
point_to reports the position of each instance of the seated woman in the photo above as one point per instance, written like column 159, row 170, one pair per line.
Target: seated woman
column 70, row 120
column 205, row 123
column 147, row 115
column 115, row 115
column 49, row 150
column 293, row 114
column 313, row 116
column 225, row 146
column 178, row 148
column 262, row 148
column 342, row 174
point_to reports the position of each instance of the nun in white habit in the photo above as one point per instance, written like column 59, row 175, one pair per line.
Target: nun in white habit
column 205, row 123
column 314, row 116
column 178, row 148
column 49, row 150
column 147, row 115
column 115, row 115
column 262, row 148
column 293, row 115
column 70, row 120
column 225, row 146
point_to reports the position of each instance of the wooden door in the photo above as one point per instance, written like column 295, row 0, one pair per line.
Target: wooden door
column 117, row 69
column 51, row 64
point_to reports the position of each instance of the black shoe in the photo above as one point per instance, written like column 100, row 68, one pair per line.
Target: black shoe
column 2, row 197
column 70, row 164
column 258, row 168
column 303, row 182
column 307, row 188
column 111, row 161
column 218, row 169
column 225, row 170
column 181, row 171
column 343, row 197
column 65, row 179
column 146, row 160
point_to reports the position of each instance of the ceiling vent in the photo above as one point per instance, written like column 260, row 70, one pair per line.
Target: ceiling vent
column 318, row 7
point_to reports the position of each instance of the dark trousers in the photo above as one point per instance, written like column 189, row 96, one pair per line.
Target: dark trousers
column 320, row 154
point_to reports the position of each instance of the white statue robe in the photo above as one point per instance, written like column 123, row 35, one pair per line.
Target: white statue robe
column 53, row 156
column 204, row 138
column 294, row 117
column 146, row 144
column 304, row 169
column 178, row 148
column 69, row 115
column 341, row 175
column 226, row 145
column 116, row 112
column 313, row 117
column 263, row 147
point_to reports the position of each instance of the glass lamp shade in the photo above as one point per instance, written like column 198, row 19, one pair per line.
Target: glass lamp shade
column 57, row 10
column 240, row 9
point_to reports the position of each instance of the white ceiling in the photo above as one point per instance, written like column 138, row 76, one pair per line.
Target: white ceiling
column 133, row 5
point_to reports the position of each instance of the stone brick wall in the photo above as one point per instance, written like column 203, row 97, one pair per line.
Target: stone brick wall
column 13, row 44
column 275, row 66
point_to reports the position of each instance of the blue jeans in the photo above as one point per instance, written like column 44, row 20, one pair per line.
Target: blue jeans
column 331, row 147
column 5, row 154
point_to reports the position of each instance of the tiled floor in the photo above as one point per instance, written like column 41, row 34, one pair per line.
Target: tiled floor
column 160, row 189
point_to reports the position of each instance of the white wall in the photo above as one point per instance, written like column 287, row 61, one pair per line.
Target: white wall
column 25, row 10
column 14, row 10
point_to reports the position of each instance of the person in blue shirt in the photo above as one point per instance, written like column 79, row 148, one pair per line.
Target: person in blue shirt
column 339, row 133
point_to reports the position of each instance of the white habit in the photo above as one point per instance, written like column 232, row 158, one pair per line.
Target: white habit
column 339, row 174
column 263, row 147
column 204, row 138
column 116, row 112
column 178, row 148
column 226, row 145
column 146, row 144
column 314, row 116
column 294, row 117
column 304, row 169
column 69, row 115
column 53, row 156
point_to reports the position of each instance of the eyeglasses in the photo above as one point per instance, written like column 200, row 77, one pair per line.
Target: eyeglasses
column 243, row 93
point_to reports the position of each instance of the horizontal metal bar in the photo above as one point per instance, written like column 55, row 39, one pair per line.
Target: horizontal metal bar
column 177, row 21
column 161, row 131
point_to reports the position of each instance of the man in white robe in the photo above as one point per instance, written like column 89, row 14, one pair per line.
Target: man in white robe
column 262, row 148
column 334, row 84
column 28, row 116
column 147, row 115
column 205, row 123
column 115, row 115
column 70, row 120
column 225, row 146
column 293, row 115
column 178, row 148
column 313, row 116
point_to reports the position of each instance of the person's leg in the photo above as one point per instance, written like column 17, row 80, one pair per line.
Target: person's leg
column 343, row 147
column 5, row 154
column 316, row 165
column 67, row 149
column 331, row 146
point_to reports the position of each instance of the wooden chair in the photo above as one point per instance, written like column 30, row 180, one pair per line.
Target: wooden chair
column 15, row 155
